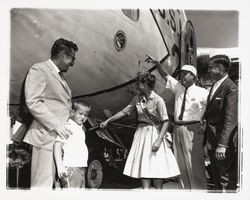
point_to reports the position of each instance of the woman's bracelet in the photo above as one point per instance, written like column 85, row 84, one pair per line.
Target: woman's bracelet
column 161, row 137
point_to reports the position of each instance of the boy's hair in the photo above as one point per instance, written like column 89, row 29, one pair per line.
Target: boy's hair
column 76, row 103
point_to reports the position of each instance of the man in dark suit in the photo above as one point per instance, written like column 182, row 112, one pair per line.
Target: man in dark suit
column 222, row 120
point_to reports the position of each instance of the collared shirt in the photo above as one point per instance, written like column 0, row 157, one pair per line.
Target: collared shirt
column 196, row 100
column 75, row 149
column 155, row 105
column 217, row 85
column 53, row 64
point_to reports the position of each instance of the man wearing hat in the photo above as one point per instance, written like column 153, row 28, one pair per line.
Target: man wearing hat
column 190, row 105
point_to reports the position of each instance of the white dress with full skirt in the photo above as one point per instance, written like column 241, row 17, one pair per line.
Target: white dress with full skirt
column 143, row 163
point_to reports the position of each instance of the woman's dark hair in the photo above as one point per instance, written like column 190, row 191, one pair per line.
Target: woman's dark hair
column 221, row 59
column 62, row 45
column 148, row 78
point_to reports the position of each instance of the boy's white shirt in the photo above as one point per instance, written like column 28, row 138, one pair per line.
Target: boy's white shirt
column 75, row 148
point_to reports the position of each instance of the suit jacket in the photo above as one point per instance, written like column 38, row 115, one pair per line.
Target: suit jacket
column 222, row 115
column 48, row 99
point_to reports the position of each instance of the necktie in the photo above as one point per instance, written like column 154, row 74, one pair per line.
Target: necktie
column 62, row 79
column 61, row 75
column 210, row 92
column 183, row 105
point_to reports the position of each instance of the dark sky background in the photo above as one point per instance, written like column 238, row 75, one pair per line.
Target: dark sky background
column 214, row 28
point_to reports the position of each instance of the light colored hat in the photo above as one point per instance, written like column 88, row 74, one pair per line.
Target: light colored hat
column 189, row 68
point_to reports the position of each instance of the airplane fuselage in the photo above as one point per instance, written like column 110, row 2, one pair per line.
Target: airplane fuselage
column 113, row 45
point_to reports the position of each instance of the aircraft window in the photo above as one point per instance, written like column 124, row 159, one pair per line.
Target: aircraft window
column 120, row 40
column 133, row 14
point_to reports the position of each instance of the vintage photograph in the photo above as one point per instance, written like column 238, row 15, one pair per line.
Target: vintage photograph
column 124, row 99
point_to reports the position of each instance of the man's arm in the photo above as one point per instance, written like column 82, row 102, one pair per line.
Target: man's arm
column 231, row 115
column 230, row 122
column 163, row 74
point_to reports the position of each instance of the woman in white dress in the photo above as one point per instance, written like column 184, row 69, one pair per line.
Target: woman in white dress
column 150, row 156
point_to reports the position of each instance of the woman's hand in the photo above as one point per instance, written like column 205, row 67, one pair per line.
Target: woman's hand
column 104, row 124
column 157, row 144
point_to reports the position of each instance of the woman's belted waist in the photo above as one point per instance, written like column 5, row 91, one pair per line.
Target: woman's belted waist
column 145, row 123
column 182, row 123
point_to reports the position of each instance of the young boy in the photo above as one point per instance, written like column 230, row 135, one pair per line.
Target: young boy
column 71, row 155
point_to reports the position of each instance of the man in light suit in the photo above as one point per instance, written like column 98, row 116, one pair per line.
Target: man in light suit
column 222, row 120
column 48, row 99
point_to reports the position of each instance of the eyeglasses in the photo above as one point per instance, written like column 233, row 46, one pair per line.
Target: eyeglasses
column 212, row 67
column 72, row 56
